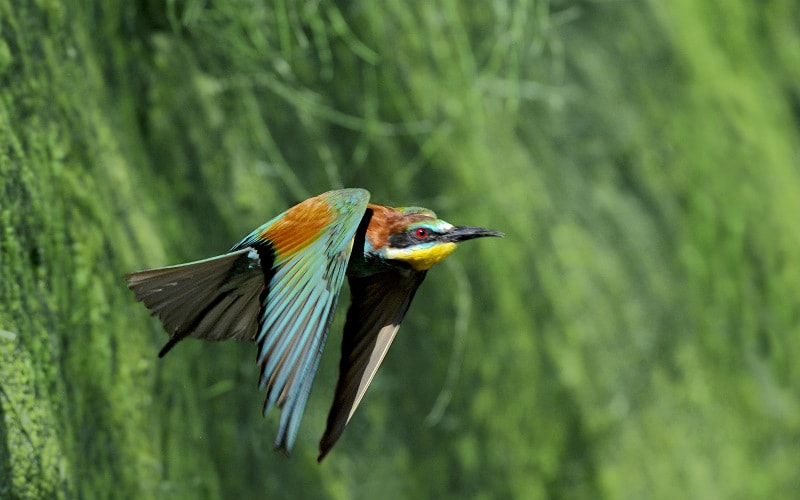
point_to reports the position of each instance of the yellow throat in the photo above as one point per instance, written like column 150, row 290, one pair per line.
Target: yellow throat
column 422, row 259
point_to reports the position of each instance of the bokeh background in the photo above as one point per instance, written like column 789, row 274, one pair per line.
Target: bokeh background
column 635, row 335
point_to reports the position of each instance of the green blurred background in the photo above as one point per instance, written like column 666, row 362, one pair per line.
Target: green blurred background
column 635, row 335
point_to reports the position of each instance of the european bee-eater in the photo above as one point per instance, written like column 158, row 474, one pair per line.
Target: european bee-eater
column 279, row 285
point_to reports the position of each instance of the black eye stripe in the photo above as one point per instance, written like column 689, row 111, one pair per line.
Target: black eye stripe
column 409, row 238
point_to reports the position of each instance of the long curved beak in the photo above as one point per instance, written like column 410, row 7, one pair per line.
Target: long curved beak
column 463, row 233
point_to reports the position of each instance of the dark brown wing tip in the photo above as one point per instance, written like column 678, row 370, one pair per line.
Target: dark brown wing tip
column 169, row 345
column 327, row 442
column 281, row 447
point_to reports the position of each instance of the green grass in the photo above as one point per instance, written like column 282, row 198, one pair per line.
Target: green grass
column 633, row 336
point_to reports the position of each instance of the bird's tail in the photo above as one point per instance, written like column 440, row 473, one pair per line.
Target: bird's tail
column 213, row 299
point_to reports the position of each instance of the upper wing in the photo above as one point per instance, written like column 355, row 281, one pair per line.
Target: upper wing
column 379, row 303
column 311, row 244
column 212, row 299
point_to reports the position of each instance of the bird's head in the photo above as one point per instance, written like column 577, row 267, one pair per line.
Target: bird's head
column 418, row 238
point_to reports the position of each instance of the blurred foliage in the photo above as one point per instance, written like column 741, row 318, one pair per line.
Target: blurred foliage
column 632, row 337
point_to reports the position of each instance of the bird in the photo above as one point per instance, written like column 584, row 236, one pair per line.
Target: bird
column 279, row 286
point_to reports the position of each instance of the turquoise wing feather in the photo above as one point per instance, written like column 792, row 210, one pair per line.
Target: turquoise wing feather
column 309, row 246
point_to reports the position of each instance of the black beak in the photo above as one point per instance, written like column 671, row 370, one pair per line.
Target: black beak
column 463, row 233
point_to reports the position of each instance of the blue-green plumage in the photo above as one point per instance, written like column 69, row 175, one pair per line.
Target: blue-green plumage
column 298, row 304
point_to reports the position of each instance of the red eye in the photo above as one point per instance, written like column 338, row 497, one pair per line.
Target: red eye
column 421, row 232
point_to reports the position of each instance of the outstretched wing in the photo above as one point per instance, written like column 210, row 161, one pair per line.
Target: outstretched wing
column 379, row 303
column 212, row 299
column 311, row 244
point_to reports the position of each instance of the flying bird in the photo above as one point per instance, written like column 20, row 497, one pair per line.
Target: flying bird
column 278, row 287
